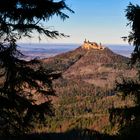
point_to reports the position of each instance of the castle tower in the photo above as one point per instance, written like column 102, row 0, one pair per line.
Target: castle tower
column 92, row 45
column 85, row 40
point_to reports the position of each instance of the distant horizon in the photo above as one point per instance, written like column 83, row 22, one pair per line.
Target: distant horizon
column 66, row 43
column 43, row 50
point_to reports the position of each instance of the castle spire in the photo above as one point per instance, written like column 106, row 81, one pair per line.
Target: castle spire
column 85, row 40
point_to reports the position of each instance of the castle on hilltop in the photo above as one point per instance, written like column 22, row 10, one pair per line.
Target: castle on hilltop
column 92, row 45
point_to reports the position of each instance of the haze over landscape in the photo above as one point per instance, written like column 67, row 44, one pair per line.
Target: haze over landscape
column 41, row 50
column 98, row 21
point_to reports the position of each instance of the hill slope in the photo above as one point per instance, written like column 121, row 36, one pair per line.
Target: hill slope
column 99, row 67
column 63, row 61
column 85, row 90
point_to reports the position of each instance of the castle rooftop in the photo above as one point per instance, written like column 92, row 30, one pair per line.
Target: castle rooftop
column 92, row 45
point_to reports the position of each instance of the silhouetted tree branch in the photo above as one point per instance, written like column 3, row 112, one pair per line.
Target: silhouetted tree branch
column 22, row 80
column 129, row 117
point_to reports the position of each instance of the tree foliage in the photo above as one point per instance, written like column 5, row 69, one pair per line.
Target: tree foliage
column 133, row 16
column 129, row 117
column 21, row 17
column 22, row 80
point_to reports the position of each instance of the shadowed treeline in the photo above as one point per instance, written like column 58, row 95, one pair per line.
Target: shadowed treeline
column 129, row 117
column 75, row 134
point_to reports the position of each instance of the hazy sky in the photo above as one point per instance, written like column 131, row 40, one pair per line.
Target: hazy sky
column 96, row 20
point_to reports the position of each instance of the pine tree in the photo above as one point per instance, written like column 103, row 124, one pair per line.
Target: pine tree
column 129, row 117
column 20, row 79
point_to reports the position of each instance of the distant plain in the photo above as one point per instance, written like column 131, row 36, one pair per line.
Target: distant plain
column 41, row 50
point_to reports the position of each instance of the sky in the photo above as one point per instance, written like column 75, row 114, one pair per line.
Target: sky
column 95, row 20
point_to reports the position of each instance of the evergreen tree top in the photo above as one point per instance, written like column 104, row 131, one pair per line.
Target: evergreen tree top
column 21, row 17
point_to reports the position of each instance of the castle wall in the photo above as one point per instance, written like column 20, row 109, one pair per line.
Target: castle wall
column 92, row 45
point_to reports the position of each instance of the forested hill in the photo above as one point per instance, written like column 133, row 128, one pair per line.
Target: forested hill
column 65, row 60
column 92, row 66
column 85, row 90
